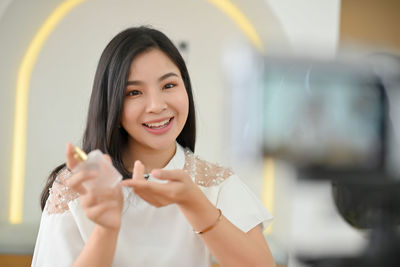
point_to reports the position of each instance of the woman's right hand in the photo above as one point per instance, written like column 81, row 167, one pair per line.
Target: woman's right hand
column 102, row 206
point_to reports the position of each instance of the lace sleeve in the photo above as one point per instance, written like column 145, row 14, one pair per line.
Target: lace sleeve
column 205, row 173
column 60, row 194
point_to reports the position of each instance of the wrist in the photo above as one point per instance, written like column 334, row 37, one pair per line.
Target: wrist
column 200, row 212
column 193, row 200
column 107, row 231
column 210, row 227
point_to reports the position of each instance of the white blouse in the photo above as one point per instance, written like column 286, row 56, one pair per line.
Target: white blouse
column 149, row 236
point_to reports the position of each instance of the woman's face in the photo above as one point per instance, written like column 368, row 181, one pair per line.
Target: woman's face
column 156, row 103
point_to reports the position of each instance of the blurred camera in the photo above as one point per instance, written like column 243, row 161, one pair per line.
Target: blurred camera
column 325, row 117
column 331, row 120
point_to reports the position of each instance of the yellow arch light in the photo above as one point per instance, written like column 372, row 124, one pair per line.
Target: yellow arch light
column 268, row 195
column 21, row 108
column 241, row 21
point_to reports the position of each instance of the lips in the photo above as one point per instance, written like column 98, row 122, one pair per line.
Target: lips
column 159, row 127
column 158, row 124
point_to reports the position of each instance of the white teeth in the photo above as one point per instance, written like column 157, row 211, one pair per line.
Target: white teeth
column 157, row 124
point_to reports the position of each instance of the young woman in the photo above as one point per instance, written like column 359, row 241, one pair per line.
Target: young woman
column 141, row 114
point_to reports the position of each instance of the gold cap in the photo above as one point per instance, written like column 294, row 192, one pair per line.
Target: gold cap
column 79, row 154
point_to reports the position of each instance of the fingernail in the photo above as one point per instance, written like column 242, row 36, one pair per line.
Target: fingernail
column 138, row 162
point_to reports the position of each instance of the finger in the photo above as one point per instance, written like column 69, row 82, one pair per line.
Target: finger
column 76, row 180
column 71, row 160
column 107, row 193
column 89, row 200
column 156, row 194
column 138, row 171
column 172, row 175
column 128, row 182
column 95, row 196
column 96, row 211
column 137, row 175
column 152, row 188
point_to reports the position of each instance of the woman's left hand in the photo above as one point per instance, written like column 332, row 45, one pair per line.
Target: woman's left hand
column 179, row 188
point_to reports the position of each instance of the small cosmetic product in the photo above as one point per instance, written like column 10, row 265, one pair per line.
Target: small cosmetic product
column 108, row 175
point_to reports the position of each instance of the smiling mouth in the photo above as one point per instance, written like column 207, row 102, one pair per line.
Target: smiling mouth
column 158, row 125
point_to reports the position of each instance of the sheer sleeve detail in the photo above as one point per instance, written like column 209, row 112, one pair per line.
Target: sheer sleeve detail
column 205, row 173
column 60, row 194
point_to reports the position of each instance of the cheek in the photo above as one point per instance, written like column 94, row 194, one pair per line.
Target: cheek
column 130, row 112
column 183, row 105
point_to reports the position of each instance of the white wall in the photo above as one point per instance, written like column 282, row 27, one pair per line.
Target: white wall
column 311, row 26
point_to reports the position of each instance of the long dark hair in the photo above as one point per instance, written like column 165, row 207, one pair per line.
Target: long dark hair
column 106, row 102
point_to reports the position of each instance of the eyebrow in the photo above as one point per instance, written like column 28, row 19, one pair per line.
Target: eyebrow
column 165, row 76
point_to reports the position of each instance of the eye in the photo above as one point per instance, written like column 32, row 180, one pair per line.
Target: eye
column 133, row 93
column 169, row 85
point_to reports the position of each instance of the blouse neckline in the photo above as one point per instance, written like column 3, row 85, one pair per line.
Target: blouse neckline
column 178, row 160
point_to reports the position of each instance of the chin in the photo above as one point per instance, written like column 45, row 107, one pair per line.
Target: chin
column 160, row 143
column 154, row 142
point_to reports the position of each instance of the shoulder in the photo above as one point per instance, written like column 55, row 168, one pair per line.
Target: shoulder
column 60, row 194
column 203, row 172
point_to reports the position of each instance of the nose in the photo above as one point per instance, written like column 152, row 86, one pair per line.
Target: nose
column 156, row 103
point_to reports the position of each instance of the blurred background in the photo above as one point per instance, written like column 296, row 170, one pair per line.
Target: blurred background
column 49, row 51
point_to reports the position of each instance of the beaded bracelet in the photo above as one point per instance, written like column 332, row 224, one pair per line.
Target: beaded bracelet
column 211, row 226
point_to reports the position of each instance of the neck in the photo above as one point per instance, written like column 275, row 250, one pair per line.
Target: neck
column 151, row 158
